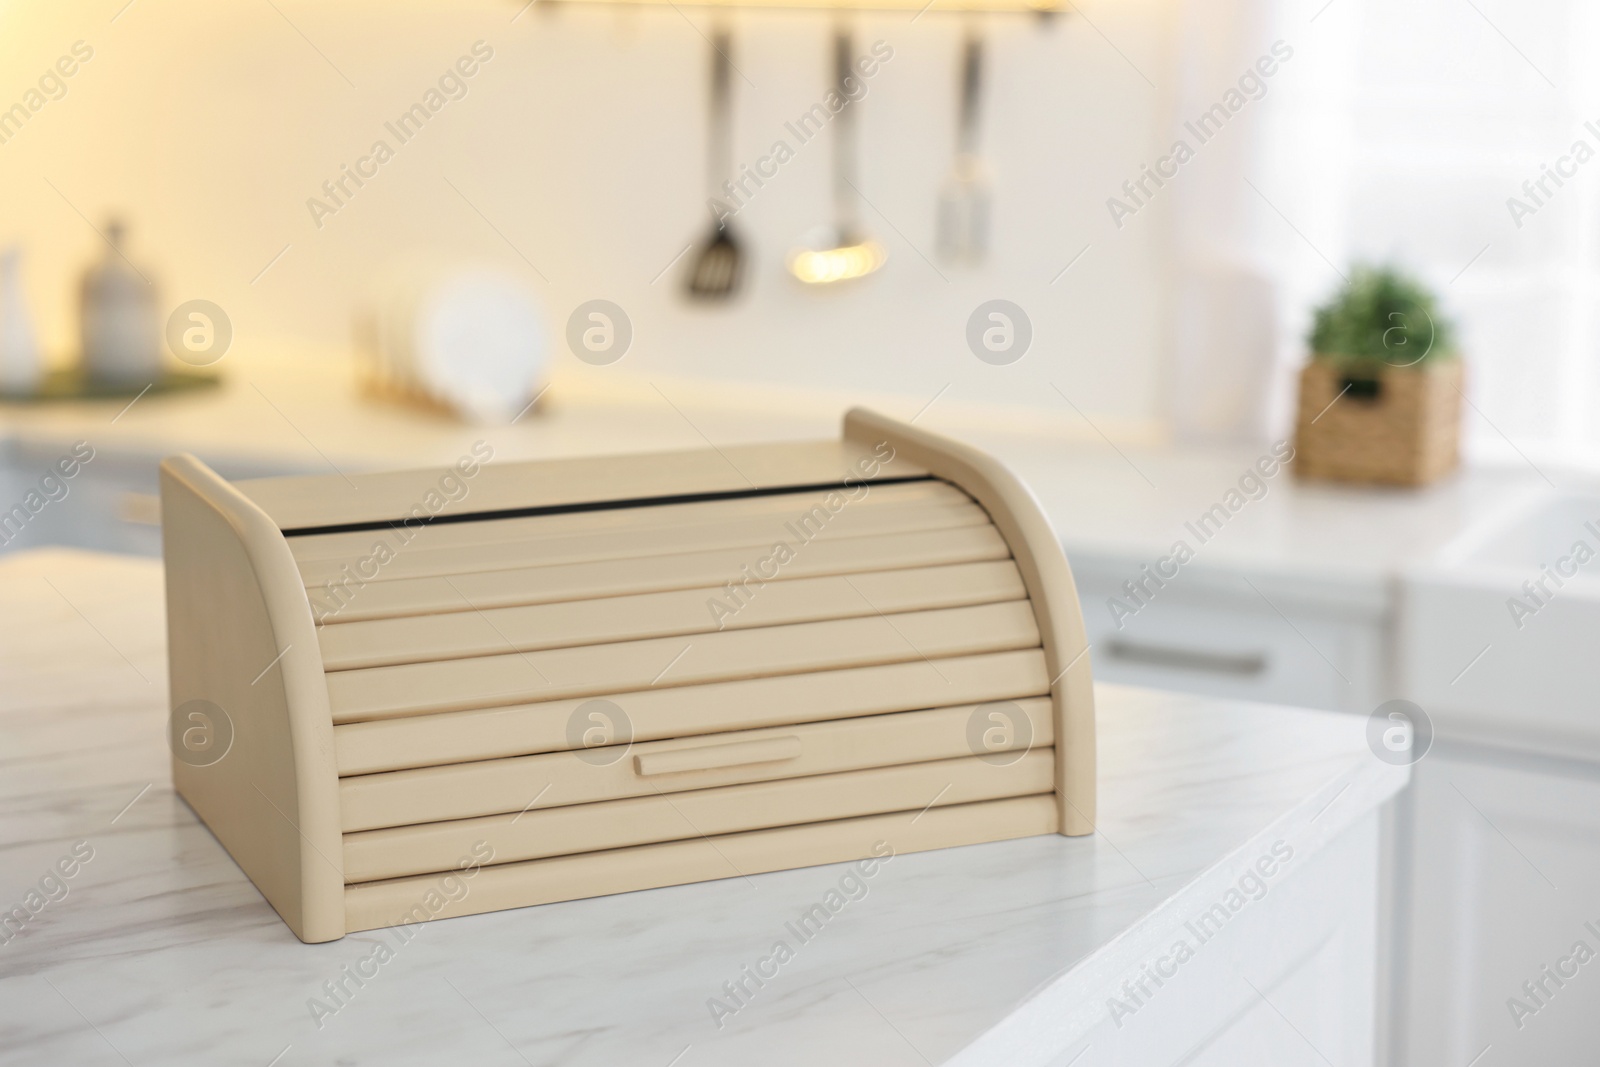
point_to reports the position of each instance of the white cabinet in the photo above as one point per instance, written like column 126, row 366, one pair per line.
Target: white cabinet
column 1291, row 982
column 1496, row 868
column 1503, row 882
column 105, row 505
column 110, row 504
column 1232, row 636
column 1306, row 973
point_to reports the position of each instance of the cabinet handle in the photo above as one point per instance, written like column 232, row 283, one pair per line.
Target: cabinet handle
column 1246, row 664
column 711, row 757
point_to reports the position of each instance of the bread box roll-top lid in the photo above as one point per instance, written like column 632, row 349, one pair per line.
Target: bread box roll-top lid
column 442, row 692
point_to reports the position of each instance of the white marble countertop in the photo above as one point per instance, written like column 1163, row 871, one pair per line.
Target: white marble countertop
column 1115, row 506
column 162, row 952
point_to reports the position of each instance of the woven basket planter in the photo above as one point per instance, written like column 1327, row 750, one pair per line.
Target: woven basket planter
column 1392, row 426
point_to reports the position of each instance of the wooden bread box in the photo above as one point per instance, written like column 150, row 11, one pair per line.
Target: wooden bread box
column 592, row 676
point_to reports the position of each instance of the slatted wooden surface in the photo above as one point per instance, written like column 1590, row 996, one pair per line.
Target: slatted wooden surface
column 715, row 568
column 606, row 620
column 391, row 902
column 778, row 663
column 544, row 832
column 296, row 503
column 509, row 785
column 595, row 670
column 778, row 508
column 685, row 711
column 504, row 544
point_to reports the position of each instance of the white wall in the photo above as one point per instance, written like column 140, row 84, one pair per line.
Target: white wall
column 582, row 140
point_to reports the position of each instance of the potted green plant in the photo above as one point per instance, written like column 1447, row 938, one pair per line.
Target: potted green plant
column 1380, row 399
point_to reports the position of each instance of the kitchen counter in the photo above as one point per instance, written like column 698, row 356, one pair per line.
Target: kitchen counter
column 1115, row 506
column 161, row 951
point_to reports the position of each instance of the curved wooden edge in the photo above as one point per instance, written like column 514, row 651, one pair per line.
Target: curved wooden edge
column 1021, row 521
column 241, row 636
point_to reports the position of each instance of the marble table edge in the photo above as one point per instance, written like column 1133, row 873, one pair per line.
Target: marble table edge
column 1069, row 1005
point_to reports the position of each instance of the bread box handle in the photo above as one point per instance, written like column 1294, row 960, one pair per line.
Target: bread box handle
column 710, row 757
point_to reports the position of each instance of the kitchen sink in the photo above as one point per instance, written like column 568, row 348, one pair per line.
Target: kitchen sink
column 1538, row 533
column 1500, row 633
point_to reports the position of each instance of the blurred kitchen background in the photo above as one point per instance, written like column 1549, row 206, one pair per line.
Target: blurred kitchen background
column 1165, row 328
column 576, row 162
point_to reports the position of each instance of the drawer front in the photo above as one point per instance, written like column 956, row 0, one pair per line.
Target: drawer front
column 1227, row 651
column 545, row 832
column 503, row 786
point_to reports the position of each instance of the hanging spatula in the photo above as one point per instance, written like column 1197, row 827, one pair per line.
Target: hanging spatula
column 719, row 267
column 964, row 199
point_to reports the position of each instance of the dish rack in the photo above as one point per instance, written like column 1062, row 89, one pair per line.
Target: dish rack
column 588, row 676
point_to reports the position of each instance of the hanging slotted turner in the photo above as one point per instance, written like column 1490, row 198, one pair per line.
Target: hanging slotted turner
column 720, row 264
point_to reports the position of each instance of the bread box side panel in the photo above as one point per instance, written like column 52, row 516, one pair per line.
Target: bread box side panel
column 252, row 737
column 1043, row 564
